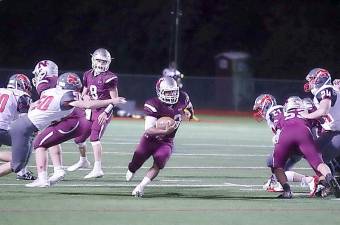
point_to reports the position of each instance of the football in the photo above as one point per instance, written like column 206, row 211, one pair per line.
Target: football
column 163, row 122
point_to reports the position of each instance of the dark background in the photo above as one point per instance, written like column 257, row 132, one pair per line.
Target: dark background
column 285, row 38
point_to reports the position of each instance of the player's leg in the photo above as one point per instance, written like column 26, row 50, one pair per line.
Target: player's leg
column 280, row 156
column 310, row 151
column 96, row 134
column 80, row 140
column 56, row 158
column 24, row 173
column 21, row 133
column 143, row 151
column 161, row 156
column 49, row 137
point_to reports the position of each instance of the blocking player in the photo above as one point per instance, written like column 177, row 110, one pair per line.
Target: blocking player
column 296, row 133
column 45, row 77
column 14, row 102
column 54, row 105
column 99, row 84
column 155, row 142
column 266, row 108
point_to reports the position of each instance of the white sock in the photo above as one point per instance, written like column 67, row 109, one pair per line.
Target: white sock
column 97, row 165
column 42, row 175
column 22, row 171
column 82, row 159
column 290, row 176
column 145, row 182
column 57, row 168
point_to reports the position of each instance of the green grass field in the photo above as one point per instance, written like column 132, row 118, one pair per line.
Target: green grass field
column 215, row 176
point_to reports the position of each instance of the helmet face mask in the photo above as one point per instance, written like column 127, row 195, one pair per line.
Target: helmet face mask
column 20, row 82
column 262, row 104
column 101, row 59
column 69, row 81
column 44, row 68
column 293, row 102
column 308, row 104
column 316, row 79
column 167, row 90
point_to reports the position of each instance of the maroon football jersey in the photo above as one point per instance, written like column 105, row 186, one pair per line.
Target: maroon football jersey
column 156, row 108
column 99, row 86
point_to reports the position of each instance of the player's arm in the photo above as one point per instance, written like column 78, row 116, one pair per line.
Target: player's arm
column 323, row 110
column 113, row 95
column 151, row 130
column 92, row 104
column 71, row 99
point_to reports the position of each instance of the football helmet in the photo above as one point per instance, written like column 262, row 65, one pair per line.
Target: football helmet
column 101, row 59
column 293, row 102
column 44, row 68
column 262, row 103
column 20, row 82
column 69, row 81
column 308, row 104
column 167, row 90
column 316, row 78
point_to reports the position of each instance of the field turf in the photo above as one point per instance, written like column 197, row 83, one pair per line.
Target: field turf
column 215, row 176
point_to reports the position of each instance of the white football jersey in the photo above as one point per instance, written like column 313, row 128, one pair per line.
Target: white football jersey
column 9, row 109
column 49, row 107
column 332, row 120
column 272, row 117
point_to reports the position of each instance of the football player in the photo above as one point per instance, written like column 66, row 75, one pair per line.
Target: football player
column 266, row 108
column 99, row 84
column 296, row 132
column 156, row 142
column 45, row 77
column 53, row 105
column 14, row 102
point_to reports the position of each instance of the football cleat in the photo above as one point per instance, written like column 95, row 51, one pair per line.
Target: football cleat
column 94, row 174
column 335, row 187
column 313, row 186
column 138, row 191
column 286, row 195
column 80, row 164
column 272, row 185
column 129, row 175
column 39, row 183
column 27, row 176
column 56, row 177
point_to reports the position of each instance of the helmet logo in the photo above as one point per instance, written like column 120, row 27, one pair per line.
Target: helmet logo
column 42, row 64
column 72, row 79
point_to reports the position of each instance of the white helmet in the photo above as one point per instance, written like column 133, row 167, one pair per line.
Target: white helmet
column 293, row 102
column 44, row 68
column 167, row 90
column 101, row 59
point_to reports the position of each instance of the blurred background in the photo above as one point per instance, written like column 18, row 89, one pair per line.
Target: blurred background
column 228, row 50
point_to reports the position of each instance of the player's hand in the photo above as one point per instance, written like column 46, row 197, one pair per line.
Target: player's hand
column 102, row 118
column 170, row 128
column 118, row 100
column 86, row 97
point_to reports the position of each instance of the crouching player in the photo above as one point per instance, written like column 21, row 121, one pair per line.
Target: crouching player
column 296, row 133
column 266, row 108
column 157, row 142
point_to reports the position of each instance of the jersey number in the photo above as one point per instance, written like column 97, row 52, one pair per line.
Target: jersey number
column 44, row 102
column 3, row 101
column 291, row 115
column 93, row 92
